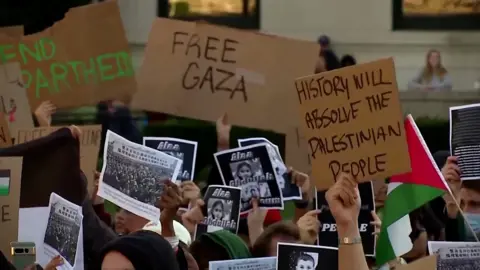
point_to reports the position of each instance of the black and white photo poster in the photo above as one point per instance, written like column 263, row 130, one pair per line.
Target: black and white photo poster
column 267, row 263
column 328, row 236
column 435, row 246
column 221, row 210
column 62, row 231
column 250, row 168
column 306, row 257
column 458, row 258
column 290, row 191
column 182, row 149
column 465, row 139
column 133, row 175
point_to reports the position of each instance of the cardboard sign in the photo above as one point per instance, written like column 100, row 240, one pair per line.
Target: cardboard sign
column 80, row 60
column 13, row 98
column 13, row 31
column 10, row 182
column 5, row 137
column 89, row 146
column 353, row 123
column 200, row 71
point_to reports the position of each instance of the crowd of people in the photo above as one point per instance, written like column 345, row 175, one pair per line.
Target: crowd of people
column 134, row 178
column 62, row 235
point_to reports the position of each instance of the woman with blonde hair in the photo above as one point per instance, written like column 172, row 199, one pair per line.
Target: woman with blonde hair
column 433, row 77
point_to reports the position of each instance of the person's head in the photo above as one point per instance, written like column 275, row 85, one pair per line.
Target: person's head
column 244, row 171
column 348, row 60
column 327, row 61
column 132, row 222
column 433, row 65
column 254, row 192
column 324, row 42
column 305, row 262
column 266, row 243
column 143, row 250
column 218, row 246
column 120, row 222
column 217, row 210
column 470, row 197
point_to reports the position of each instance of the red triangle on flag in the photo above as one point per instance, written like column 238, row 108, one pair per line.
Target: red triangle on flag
column 424, row 169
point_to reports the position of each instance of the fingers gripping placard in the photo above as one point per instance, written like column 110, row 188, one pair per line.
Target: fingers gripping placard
column 352, row 122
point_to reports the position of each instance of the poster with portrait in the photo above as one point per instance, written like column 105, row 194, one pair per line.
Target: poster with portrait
column 182, row 149
column 221, row 210
column 297, row 256
column 251, row 169
column 290, row 191
column 328, row 236
column 458, row 258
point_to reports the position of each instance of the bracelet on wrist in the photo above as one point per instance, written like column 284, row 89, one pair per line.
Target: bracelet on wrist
column 349, row 240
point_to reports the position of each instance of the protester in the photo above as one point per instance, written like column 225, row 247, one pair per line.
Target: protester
column 433, row 77
column 347, row 60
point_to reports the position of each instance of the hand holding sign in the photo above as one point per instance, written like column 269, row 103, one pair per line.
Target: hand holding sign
column 451, row 173
column 193, row 216
column 223, row 132
column 44, row 112
column 344, row 201
column 302, row 180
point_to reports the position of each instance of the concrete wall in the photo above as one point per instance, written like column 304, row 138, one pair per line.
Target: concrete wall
column 361, row 28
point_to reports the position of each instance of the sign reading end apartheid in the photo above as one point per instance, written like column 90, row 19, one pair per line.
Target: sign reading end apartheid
column 201, row 71
column 353, row 123
column 10, row 182
column 80, row 60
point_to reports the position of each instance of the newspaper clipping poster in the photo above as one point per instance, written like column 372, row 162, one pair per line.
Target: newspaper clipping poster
column 251, row 169
column 290, row 191
column 222, row 210
column 297, row 256
column 62, row 232
column 182, row 149
column 133, row 176
column 267, row 263
column 458, row 258
column 328, row 236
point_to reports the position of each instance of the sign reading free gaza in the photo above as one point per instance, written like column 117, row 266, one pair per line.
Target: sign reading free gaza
column 75, row 68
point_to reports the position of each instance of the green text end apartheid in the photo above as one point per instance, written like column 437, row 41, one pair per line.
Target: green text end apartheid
column 101, row 68
column 319, row 87
column 214, row 50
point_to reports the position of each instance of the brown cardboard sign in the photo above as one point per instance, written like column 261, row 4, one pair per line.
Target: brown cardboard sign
column 81, row 60
column 201, row 71
column 13, row 98
column 13, row 31
column 10, row 182
column 352, row 121
column 89, row 146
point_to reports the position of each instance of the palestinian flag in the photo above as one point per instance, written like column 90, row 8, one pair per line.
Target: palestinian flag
column 407, row 192
column 4, row 182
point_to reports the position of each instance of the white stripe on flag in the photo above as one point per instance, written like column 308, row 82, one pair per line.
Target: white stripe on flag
column 4, row 181
column 399, row 231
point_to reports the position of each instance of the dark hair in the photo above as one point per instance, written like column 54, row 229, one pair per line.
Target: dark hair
column 305, row 257
column 348, row 60
column 205, row 250
column 215, row 204
column 243, row 164
column 473, row 185
column 261, row 247
column 331, row 60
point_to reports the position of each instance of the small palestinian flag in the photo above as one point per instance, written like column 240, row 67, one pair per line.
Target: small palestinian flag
column 4, row 182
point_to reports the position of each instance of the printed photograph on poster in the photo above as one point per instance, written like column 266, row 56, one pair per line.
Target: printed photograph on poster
column 290, row 191
column 184, row 150
column 458, row 258
column 62, row 231
column 266, row 263
column 465, row 139
column 435, row 246
column 133, row 175
column 251, row 169
column 221, row 210
column 297, row 256
column 328, row 236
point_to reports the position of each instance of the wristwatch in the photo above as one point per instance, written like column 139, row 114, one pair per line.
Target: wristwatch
column 350, row 240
